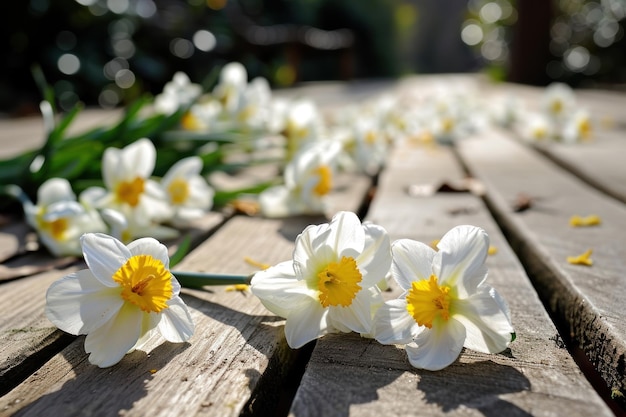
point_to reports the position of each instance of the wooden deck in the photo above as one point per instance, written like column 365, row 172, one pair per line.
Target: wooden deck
column 569, row 357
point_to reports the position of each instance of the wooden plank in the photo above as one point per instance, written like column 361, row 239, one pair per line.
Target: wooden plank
column 587, row 301
column 599, row 162
column 349, row 375
column 234, row 363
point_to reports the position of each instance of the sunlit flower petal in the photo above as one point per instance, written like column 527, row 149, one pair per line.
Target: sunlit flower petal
column 437, row 347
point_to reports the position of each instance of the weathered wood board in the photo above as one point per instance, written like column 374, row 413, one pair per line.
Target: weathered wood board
column 587, row 301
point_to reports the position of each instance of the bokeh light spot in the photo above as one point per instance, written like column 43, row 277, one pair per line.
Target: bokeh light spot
column 68, row 64
column 472, row 34
column 204, row 40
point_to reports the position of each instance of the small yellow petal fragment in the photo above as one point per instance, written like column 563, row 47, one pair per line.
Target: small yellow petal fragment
column 591, row 220
column 584, row 259
column 492, row 250
column 153, row 371
column 434, row 243
column 237, row 287
column 256, row 264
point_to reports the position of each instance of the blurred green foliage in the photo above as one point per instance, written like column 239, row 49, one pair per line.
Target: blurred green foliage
column 109, row 52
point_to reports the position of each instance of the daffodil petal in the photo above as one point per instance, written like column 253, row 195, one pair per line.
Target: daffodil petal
column 79, row 303
column 437, row 347
column 104, row 255
column 140, row 157
column 152, row 247
column 393, row 324
column 488, row 326
column 346, row 236
column 176, row 324
column 185, row 168
column 460, row 260
column 305, row 324
column 375, row 259
column 54, row 190
column 108, row 344
column 357, row 317
column 412, row 261
column 279, row 290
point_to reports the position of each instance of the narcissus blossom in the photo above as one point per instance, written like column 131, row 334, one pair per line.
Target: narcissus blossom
column 446, row 304
column 129, row 189
column 126, row 295
column 59, row 219
column 330, row 285
column 308, row 181
column 188, row 193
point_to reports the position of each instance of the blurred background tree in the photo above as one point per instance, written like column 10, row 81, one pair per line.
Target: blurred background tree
column 108, row 52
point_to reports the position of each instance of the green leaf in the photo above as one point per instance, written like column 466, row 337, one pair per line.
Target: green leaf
column 513, row 337
column 222, row 198
column 181, row 252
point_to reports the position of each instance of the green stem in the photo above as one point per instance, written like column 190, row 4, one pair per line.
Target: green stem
column 201, row 279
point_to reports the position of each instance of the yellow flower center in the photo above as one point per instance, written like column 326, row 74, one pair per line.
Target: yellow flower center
column 557, row 106
column 370, row 137
column 56, row 227
column 448, row 124
column 539, row 132
column 179, row 190
column 584, row 127
column 427, row 300
column 338, row 283
column 190, row 122
column 130, row 191
column 325, row 183
column 145, row 282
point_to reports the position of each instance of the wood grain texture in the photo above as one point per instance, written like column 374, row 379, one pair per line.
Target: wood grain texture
column 599, row 162
column 348, row 375
column 588, row 301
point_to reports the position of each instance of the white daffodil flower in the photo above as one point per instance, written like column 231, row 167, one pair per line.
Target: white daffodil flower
column 558, row 101
column 303, row 125
column 537, row 127
column 177, row 93
column 577, row 128
column 187, row 191
column 330, row 285
column 446, row 304
column 371, row 147
column 308, row 181
column 59, row 219
column 126, row 295
column 231, row 86
column 126, row 174
column 255, row 105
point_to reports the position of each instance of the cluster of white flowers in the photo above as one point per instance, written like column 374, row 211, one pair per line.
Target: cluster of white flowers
column 132, row 205
column 330, row 286
column 558, row 118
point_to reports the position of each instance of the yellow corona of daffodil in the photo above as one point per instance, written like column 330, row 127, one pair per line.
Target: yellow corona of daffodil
column 126, row 295
column 330, row 285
